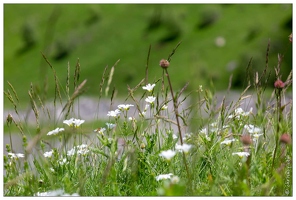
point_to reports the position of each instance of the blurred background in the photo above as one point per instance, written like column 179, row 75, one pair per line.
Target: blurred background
column 217, row 41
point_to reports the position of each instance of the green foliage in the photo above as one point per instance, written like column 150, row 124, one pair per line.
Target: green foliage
column 104, row 33
column 137, row 150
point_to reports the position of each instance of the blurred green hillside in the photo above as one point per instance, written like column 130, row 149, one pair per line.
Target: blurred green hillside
column 216, row 41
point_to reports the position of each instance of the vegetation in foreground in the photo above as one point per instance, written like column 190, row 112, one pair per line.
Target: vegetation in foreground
column 154, row 146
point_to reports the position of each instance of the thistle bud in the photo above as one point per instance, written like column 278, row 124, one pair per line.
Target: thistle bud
column 164, row 63
column 290, row 37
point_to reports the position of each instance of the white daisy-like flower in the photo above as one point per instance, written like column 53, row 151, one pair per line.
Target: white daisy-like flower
column 252, row 129
column 55, row 131
column 124, row 106
column 71, row 152
column 74, row 122
column 228, row 141
column 16, row 155
column 63, row 161
column 185, row 147
column 240, row 112
column 163, row 176
column 241, row 154
column 149, row 87
column 257, row 135
column 150, row 99
column 100, row 130
column 175, row 136
column 114, row 113
column 48, row 154
column 110, row 126
column 168, row 155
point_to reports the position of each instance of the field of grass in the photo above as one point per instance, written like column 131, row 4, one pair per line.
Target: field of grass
column 157, row 70
column 100, row 35
column 154, row 143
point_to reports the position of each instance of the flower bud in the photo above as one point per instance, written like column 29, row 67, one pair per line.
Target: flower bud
column 290, row 37
column 164, row 63
column 142, row 146
column 246, row 140
column 285, row 138
column 279, row 84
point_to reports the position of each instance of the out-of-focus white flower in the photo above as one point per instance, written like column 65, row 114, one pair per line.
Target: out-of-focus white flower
column 252, row 129
column 164, row 107
column 100, row 130
column 257, row 135
column 124, row 106
column 175, row 136
column 63, row 161
column 149, row 87
column 114, row 113
column 150, row 99
column 74, row 122
column 175, row 179
column 241, row 154
column 163, row 176
column 239, row 112
column 110, row 126
column 80, row 150
column 132, row 119
column 185, row 147
column 48, row 154
column 228, row 141
column 52, row 193
column 16, row 155
column 168, row 155
column 55, row 131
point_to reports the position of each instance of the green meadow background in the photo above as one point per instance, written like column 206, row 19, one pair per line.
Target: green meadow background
column 101, row 34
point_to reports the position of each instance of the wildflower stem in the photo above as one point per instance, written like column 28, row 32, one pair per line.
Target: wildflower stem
column 178, row 123
column 278, row 93
column 175, row 106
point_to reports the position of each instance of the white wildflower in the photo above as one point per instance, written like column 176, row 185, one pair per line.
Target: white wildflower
column 169, row 154
column 55, row 131
column 150, row 99
column 185, row 147
column 163, row 176
column 149, row 87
